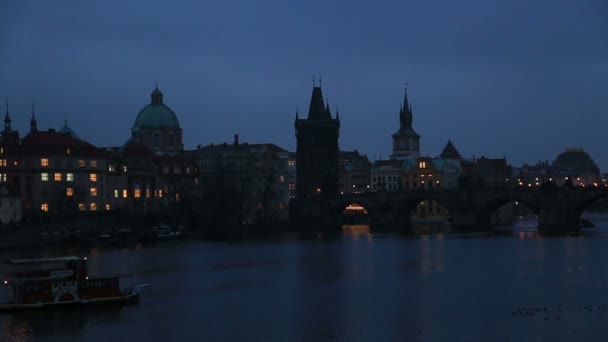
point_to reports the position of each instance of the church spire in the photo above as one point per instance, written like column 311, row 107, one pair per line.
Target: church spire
column 33, row 123
column 327, row 110
column 405, row 114
column 7, row 118
column 317, row 109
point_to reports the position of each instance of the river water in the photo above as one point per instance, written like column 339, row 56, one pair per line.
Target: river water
column 512, row 285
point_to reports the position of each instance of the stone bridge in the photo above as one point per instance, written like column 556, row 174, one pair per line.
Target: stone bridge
column 558, row 208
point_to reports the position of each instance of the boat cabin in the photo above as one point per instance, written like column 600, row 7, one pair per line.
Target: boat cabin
column 48, row 280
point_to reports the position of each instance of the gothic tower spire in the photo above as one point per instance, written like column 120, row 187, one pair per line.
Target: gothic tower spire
column 7, row 118
column 316, row 136
column 406, row 142
column 33, row 123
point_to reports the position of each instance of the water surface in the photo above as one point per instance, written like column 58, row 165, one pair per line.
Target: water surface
column 512, row 285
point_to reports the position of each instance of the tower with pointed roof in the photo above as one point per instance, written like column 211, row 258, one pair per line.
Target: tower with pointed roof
column 406, row 142
column 8, row 134
column 450, row 151
column 317, row 152
column 33, row 123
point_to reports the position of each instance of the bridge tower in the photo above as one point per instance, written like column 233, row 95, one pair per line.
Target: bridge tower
column 406, row 142
column 317, row 149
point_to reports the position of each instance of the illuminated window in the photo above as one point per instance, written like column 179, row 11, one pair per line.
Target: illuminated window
column 422, row 165
column 148, row 193
column 2, row 162
column 69, row 192
column 1, row 150
column 93, row 163
column 93, row 191
column 57, row 177
column 111, row 168
column 2, row 177
column 282, row 179
column 93, row 206
column 81, row 206
column 68, row 151
column 291, row 163
column 93, row 177
column 292, row 186
column 69, row 177
column 137, row 193
column 44, row 177
column 177, row 197
column 44, row 162
column 188, row 170
column 116, row 193
column 107, row 207
column 124, row 168
column 125, row 194
column 44, row 207
column 81, row 163
column 160, row 193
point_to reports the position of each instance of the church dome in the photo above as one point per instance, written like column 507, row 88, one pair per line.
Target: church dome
column 156, row 114
column 576, row 160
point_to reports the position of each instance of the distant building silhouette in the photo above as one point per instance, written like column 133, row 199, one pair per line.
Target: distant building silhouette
column 406, row 142
column 317, row 152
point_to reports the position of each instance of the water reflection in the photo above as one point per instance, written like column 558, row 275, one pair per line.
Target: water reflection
column 357, row 231
column 54, row 323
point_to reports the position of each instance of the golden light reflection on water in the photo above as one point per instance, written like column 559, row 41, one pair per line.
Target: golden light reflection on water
column 357, row 231
column 17, row 331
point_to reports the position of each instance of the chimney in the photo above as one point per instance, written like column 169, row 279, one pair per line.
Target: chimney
column 236, row 140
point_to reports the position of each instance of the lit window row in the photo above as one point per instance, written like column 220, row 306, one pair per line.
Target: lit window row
column 69, row 177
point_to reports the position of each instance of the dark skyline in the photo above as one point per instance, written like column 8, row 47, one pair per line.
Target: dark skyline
column 502, row 78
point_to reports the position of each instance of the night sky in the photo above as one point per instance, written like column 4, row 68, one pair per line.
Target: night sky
column 516, row 78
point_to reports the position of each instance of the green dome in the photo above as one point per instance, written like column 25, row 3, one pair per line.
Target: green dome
column 156, row 116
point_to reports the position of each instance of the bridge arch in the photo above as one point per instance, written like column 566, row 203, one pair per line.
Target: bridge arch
column 580, row 207
column 352, row 211
column 423, row 208
column 487, row 214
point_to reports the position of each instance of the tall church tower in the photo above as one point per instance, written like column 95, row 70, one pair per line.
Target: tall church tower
column 8, row 135
column 406, row 142
column 317, row 149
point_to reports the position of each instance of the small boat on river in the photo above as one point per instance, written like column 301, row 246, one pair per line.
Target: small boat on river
column 63, row 281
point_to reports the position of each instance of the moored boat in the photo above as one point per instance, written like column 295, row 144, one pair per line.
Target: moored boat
column 63, row 281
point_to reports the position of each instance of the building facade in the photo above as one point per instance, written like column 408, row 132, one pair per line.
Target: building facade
column 355, row 172
column 243, row 184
